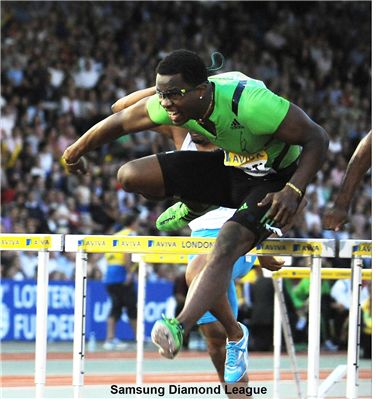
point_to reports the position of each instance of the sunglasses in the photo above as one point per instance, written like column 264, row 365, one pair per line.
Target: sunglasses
column 174, row 94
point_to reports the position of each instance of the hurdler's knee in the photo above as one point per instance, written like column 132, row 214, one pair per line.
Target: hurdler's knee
column 224, row 254
column 195, row 267
column 127, row 176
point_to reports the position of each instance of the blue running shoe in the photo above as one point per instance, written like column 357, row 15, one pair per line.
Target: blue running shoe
column 237, row 358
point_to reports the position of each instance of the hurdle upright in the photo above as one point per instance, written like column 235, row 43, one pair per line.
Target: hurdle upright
column 43, row 244
column 317, row 249
column 357, row 250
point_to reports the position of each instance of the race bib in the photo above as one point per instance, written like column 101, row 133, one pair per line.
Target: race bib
column 254, row 164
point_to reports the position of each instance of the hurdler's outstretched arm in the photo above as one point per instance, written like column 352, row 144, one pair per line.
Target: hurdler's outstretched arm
column 130, row 120
column 176, row 133
column 131, row 99
column 360, row 162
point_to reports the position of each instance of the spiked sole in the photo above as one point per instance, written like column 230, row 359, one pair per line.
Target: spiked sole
column 162, row 338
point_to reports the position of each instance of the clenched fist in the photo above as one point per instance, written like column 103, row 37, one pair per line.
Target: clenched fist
column 80, row 167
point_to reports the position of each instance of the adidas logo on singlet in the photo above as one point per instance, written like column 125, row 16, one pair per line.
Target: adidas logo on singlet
column 236, row 125
column 243, row 207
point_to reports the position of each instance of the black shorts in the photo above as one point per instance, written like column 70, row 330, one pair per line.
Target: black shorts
column 122, row 296
column 202, row 177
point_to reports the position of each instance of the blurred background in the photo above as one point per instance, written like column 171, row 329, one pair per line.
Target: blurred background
column 65, row 63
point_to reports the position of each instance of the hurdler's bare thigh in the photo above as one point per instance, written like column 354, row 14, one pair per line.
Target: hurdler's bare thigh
column 143, row 176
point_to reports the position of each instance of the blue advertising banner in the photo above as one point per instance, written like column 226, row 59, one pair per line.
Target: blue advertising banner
column 18, row 309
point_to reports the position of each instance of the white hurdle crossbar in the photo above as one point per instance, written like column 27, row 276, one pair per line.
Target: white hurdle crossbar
column 43, row 244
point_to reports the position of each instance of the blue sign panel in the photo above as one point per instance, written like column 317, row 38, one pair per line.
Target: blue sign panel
column 18, row 309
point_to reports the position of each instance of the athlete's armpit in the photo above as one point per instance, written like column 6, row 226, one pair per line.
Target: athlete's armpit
column 136, row 117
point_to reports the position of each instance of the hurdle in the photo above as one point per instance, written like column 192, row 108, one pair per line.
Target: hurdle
column 169, row 247
column 357, row 250
column 160, row 245
column 316, row 250
column 142, row 260
column 183, row 259
column 43, row 244
column 287, row 333
column 166, row 248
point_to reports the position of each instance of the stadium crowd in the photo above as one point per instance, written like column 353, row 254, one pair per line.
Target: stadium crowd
column 65, row 63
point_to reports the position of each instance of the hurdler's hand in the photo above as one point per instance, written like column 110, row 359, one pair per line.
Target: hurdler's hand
column 302, row 205
column 271, row 263
column 284, row 205
column 334, row 218
column 79, row 167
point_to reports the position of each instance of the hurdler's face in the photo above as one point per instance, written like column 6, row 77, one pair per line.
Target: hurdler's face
column 178, row 98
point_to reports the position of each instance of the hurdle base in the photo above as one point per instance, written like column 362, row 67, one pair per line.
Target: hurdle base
column 335, row 376
column 77, row 391
column 39, row 391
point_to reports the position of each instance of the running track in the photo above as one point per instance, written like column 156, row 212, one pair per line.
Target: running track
column 153, row 378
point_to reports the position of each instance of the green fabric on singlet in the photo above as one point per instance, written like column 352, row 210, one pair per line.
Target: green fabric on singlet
column 260, row 113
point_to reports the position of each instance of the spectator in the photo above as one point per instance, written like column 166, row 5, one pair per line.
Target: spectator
column 28, row 264
column 341, row 294
column 261, row 323
column 66, row 263
column 14, row 270
column 59, row 78
column 301, row 293
column 119, row 284
column 366, row 333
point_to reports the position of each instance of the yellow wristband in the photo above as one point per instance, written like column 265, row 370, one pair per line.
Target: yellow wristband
column 73, row 163
column 296, row 189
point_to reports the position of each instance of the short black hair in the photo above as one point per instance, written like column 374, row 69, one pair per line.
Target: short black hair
column 187, row 63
